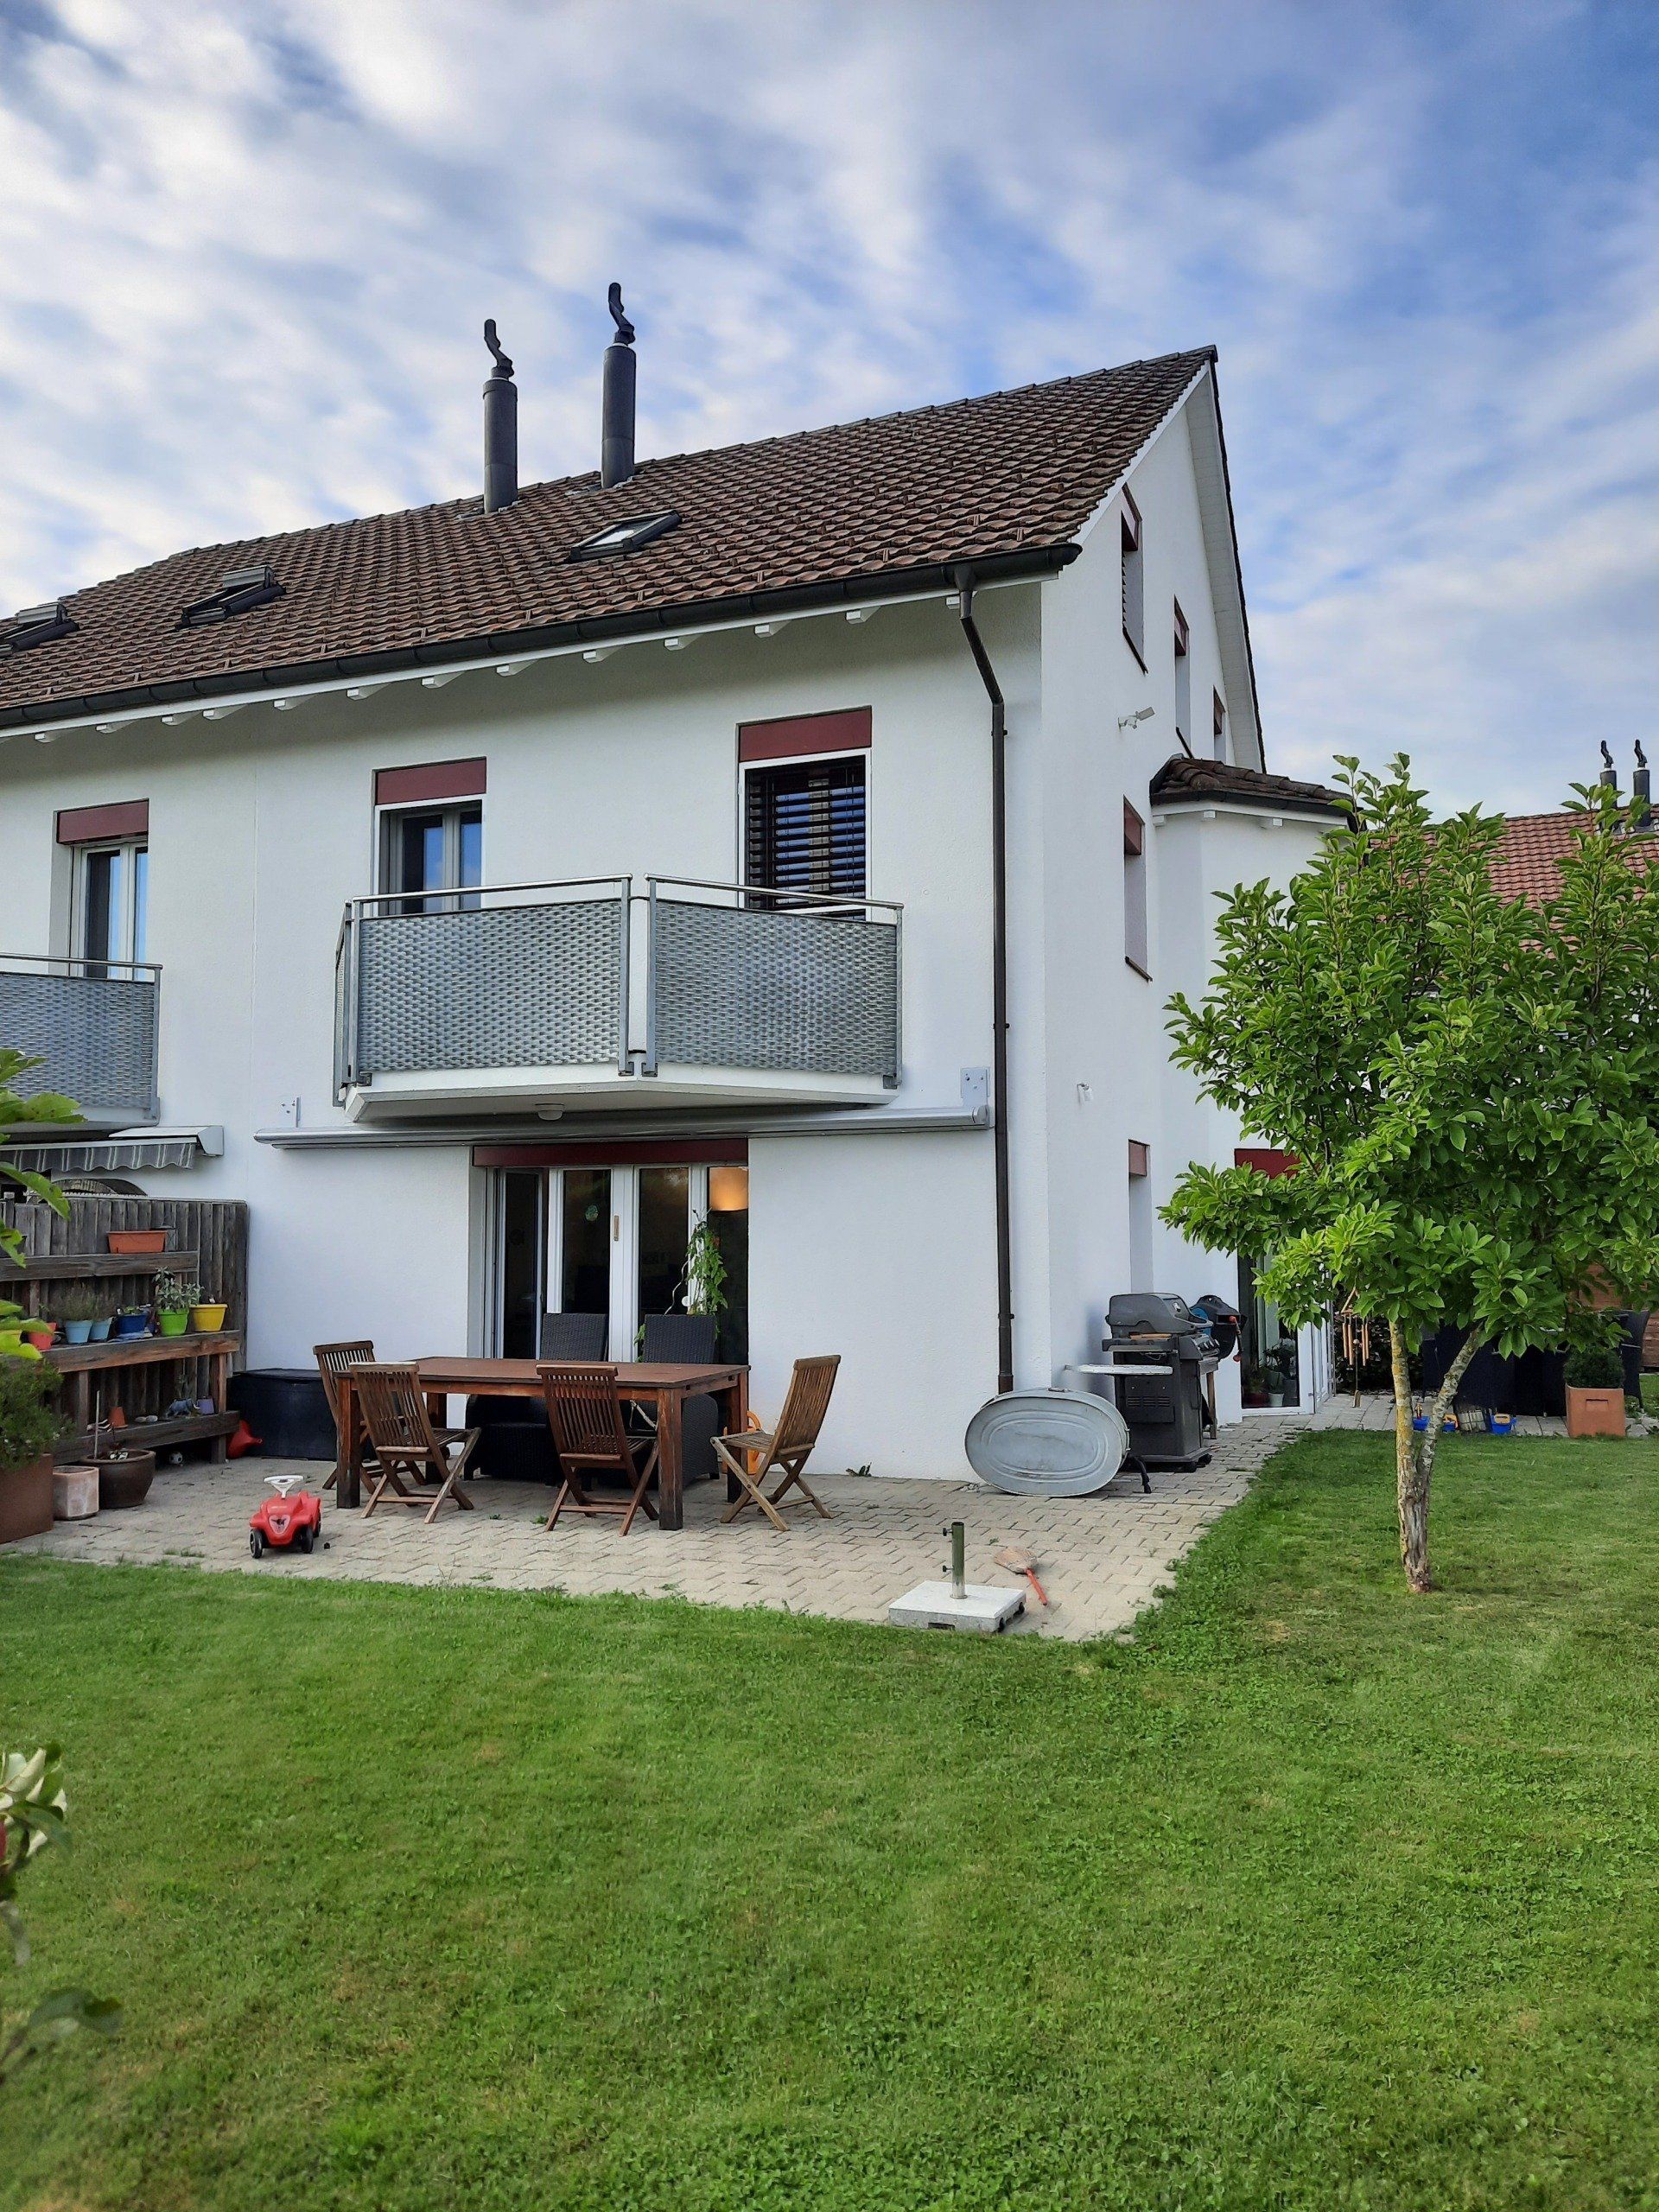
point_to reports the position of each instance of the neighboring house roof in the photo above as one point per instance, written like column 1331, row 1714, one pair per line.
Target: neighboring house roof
column 1528, row 863
column 1005, row 482
column 1184, row 779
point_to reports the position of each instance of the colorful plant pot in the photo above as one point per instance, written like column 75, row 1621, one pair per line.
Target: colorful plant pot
column 41, row 1337
column 173, row 1325
column 137, row 1240
column 76, row 1332
column 131, row 1324
column 100, row 1330
column 26, row 1500
column 207, row 1320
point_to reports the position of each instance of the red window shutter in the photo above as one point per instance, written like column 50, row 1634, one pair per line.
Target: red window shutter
column 1265, row 1160
column 792, row 736
column 102, row 825
column 429, row 781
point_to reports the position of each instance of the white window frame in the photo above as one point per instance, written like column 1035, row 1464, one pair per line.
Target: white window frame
column 622, row 1312
column 387, row 823
column 132, row 952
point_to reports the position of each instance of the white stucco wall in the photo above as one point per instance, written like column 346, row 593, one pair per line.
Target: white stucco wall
column 881, row 1249
column 881, row 1246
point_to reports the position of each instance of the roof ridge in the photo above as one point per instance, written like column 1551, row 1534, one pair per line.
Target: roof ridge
column 463, row 503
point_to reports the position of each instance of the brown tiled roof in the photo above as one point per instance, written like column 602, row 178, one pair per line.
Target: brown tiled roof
column 1528, row 859
column 1526, row 866
column 1182, row 777
column 1007, row 479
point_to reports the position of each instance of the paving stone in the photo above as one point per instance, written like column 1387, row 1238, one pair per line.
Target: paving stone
column 1102, row 1559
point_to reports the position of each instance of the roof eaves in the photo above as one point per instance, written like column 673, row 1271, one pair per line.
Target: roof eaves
column 898, row 583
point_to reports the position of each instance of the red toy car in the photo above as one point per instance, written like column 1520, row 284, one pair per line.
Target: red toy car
column 282, row 1519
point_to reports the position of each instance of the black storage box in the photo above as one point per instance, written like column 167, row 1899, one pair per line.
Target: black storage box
column 288, row 1409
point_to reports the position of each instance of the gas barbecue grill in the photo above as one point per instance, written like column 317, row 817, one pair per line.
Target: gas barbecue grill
column 1169, row 1405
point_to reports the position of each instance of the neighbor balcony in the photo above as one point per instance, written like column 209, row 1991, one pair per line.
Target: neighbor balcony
column 92, row 1026
column 623, row 991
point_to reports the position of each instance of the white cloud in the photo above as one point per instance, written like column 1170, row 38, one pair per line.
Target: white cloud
column 245, row 251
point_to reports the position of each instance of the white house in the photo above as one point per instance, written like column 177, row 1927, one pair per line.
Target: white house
column 444, row 830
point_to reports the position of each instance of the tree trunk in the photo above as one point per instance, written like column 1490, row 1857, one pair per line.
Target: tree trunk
column 1411, row 1476
column 1413, row 1453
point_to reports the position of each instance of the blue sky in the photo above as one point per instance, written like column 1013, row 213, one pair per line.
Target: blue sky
column 245, row 252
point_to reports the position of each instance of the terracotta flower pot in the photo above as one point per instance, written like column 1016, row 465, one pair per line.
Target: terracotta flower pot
column 74, row 1493
column 1594, row 1412
column 125, row 1481
column 26, row 1499
column 135, row 1240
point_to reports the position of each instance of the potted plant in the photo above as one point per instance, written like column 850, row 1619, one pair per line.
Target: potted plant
column 78, row 1309
column 132, row 1321
column 174, row 1299
column 125, row 1477
column 30, row 1425
column 38, row 1330
column 1253, row 1388
column 1595, row 1389
column 1273, row 1375
column 207, row 1314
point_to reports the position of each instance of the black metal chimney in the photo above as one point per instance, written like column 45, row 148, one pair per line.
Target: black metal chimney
column 1609, row 773
column 500, row 429
column 1640, row 791
column 616, row 407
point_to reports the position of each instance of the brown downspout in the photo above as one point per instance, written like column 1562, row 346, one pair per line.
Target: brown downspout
column 964, row 581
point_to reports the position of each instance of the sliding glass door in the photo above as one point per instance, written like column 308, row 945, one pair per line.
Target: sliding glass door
column 614, row 1241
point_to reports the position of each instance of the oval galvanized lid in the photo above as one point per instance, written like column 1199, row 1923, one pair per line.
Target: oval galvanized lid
column 1047, row 1443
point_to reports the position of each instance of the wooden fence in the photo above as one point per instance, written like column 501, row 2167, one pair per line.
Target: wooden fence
column 215, row 1229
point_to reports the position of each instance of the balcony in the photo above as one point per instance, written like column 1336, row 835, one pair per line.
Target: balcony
column 93, row 1026
column 616, row 991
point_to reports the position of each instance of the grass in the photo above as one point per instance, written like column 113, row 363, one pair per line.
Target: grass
column 1314, row 1895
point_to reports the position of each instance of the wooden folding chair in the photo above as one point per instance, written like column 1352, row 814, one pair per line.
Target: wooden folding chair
column 786, row 1448
column 330, row 1360
column 585, row 1410
column 404, row 1442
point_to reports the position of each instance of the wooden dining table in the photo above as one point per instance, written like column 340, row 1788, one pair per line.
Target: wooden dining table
column 662, row 1385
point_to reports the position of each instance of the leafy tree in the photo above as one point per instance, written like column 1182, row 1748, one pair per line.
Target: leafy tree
column 33, row 1812
column 16, row 1111
column 1468, row 1085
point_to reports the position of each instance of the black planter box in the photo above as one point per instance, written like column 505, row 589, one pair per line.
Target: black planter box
column 287, row 1407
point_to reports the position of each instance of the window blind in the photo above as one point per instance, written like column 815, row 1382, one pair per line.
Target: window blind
column 804, row 828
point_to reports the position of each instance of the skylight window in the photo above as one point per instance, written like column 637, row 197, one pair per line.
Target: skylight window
column 623, row 537
column 36, row 625
column 238, row 591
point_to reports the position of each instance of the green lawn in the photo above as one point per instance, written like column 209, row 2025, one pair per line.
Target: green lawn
column 1317, row 1895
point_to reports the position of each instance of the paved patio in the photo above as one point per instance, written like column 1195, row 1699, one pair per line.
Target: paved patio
column 1102, row 1559
column 1375, row 1411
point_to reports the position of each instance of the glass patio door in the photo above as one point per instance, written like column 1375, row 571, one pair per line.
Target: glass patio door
column 613, row 1241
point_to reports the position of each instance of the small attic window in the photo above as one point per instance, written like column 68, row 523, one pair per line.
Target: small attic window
column 36, row 625
column 238, row 591
column 623, row 537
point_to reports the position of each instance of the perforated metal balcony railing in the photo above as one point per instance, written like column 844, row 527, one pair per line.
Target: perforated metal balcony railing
column 594, row 984
column 92, row 1024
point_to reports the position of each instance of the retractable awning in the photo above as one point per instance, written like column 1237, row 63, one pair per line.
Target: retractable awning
column 123, row 1151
